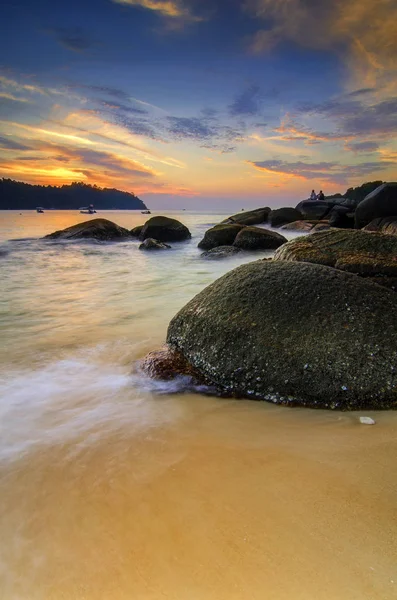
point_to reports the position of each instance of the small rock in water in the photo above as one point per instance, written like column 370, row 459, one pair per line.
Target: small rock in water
column 367, row 421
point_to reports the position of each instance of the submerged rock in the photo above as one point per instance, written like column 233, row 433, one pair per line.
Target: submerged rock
column 97, row 229
column 221, row 252
column 382, row 202
column 164, row 229
column 281, row 216
column 151, row 244
column 294, row 334
column 255, row 238
column 250, row 217
column 220, row 235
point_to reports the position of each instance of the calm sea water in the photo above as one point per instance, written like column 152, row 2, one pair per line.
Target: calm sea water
column 104, row 474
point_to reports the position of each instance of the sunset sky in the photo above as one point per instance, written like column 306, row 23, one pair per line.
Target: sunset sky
column 200, row 103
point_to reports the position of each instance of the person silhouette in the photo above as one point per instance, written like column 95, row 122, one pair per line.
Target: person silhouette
column 313, row 195
column 321, row 195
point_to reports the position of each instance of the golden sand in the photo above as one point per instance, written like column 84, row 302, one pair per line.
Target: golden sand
column 229, row 501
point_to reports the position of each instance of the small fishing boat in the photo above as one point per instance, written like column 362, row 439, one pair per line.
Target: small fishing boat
column 87, row 210
column 146, row 212
column 39, row 209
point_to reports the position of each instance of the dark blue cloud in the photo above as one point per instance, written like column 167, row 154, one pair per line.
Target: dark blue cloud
column 363, row 147
column 73, row 38
column 9, row 144
column 248, row 103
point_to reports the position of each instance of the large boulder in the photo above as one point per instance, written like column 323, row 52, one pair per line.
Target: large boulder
column 96, row 229
column 164, row 229
column 151, row 244
column 320, row 209
column 220, row 235
column 281, row 216
column 136, row 231
column 382, row 202
column 295, row 334
column 341, row 217
column 364, row 253
column 255, row 238
column 384, row 225
column 250, row 217
column 221, row 252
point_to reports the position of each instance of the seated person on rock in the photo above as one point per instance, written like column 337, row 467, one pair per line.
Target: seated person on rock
column 313, row 196
column 321, row 195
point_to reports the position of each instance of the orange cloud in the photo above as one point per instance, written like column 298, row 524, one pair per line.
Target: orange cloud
column 364, row 32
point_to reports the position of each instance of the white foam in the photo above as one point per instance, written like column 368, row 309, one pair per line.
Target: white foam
column 75, row 399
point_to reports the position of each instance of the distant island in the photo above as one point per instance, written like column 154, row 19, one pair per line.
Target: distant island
column 16, row 195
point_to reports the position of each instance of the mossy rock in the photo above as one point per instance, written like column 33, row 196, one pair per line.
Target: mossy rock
column 294, row 334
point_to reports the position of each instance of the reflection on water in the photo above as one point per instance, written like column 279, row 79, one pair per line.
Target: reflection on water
column 112, row 490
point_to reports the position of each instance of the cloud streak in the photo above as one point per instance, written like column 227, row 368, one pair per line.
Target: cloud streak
column 333, row 172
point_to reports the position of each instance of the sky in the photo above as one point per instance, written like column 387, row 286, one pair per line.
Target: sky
column 200, row 104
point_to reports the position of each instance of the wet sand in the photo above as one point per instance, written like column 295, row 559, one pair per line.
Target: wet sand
column 227, row 500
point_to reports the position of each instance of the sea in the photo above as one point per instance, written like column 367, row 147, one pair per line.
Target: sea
column 117, row 487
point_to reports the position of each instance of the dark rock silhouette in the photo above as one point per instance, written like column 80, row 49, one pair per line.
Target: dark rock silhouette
column 281, row 216
column 164, row 229
column 256, row 238
column 220, row 235
column 96, row 229
column 250, row 217
column 382, row 202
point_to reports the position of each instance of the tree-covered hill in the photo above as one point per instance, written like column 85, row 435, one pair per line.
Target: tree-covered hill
column 15, row 195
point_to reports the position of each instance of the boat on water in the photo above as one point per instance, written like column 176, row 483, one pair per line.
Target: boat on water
column 87, row 210
column 39, row 209
column 146, row 212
